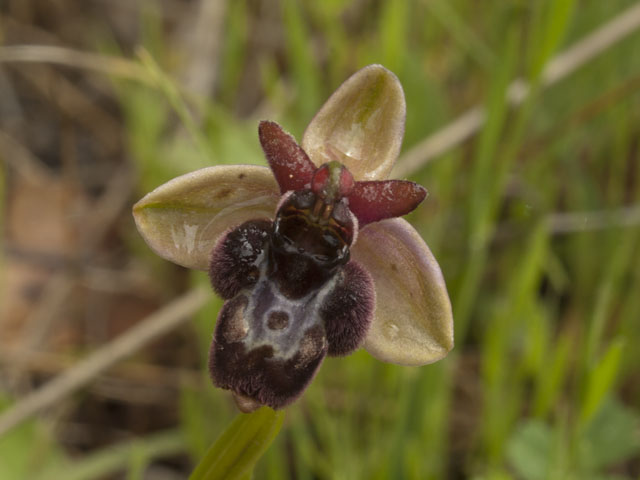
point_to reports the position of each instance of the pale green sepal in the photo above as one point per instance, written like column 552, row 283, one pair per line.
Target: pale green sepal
column 183, row 219
column 413, row 322
column 360, row 125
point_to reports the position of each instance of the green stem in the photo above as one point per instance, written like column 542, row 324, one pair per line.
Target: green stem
column 237, row 450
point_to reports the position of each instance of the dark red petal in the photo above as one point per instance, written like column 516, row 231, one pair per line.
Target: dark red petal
column 348, row 310
column 290, row 164
column 377, row 200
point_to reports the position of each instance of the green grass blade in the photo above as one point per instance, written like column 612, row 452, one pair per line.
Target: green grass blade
column 483, row 188
column 175, row 98
column 462, row 34
column 555, row 26
column 602, row 379
column 302, row 61
column 393, row 34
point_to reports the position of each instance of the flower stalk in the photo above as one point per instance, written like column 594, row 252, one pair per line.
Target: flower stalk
column 235, row 453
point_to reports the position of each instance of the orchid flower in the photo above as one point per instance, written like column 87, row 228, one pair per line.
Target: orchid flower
column 309, row 254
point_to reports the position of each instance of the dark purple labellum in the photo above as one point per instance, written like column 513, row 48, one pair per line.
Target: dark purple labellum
column 293, row 297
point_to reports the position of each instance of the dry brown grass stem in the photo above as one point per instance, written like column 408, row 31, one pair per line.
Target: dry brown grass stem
column 106, row 64
column 571, row 222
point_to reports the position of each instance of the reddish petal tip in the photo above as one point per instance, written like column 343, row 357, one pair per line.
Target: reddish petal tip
column 289, row 163
column 376, row 200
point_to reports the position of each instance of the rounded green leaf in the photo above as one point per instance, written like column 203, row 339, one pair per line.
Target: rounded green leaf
column 183, row 219
column 413, row 322
column 361, row 125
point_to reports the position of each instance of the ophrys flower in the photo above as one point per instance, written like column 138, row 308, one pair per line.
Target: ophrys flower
column 309, row 254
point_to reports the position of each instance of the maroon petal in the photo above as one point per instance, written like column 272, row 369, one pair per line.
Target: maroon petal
column 290, row 164
column 377, row 200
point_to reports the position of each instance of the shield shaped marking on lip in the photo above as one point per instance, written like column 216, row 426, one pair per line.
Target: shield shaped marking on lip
column 272, row 366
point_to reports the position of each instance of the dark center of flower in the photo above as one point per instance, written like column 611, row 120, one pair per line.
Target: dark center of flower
column 313, row 231
column 312, row 234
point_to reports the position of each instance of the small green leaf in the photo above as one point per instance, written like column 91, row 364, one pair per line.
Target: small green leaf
column 611, row 437
column 235, row 453
column 530, row 450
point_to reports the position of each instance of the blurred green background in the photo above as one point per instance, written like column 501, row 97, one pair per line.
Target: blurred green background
column 534, row 219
